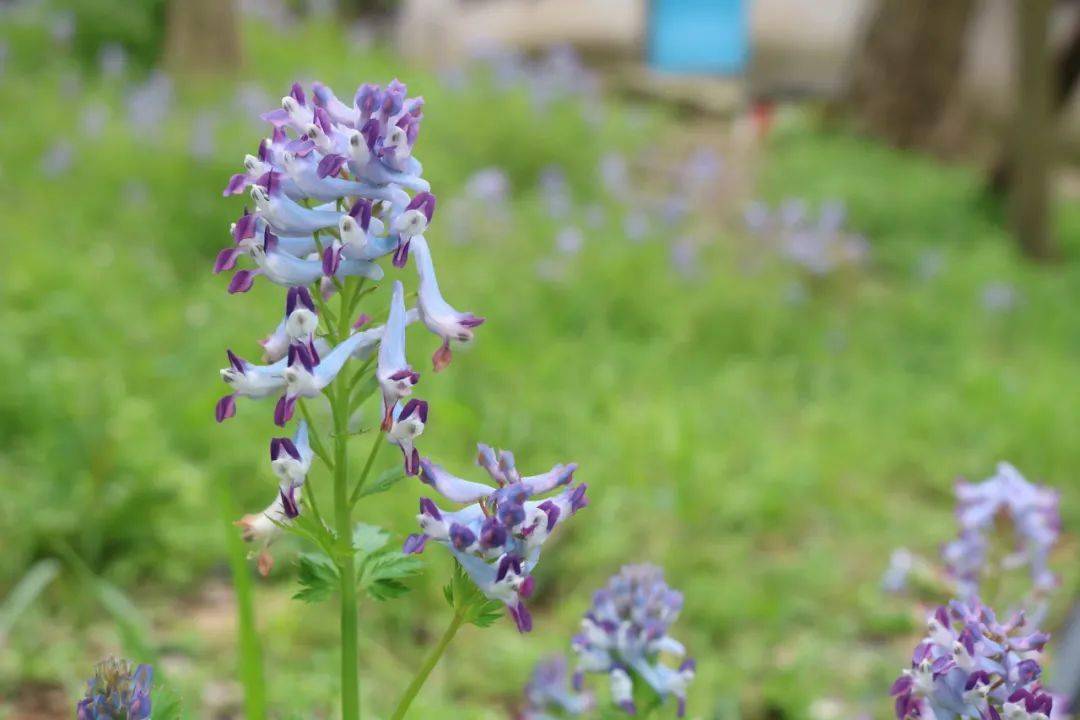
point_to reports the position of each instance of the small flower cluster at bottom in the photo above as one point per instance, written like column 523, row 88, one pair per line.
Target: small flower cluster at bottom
column 623, row 635
column 969, row 665
column 118, row 691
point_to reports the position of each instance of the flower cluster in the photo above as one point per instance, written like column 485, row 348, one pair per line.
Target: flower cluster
column 336, row 189
column 820, row 246
column 549, row 694
column 498, row 535
column 118, row 691
column 625, row 633
column 971, row 666
column 1032, row 510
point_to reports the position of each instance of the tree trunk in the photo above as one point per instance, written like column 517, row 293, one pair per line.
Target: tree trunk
column 1066, row 76
column 202, row 36
column 1034, row 130
column 907, row 71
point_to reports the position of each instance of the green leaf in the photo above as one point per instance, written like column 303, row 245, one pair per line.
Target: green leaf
column 133, row 628
column 318, row 578
column 467, row 599
column 380, row 567
column 369, row 538
column 306, row 526
column 166, row 703
column 22, row 596
column 486, row 614
column 387, row 479
column 448, row 593
column 380, row 574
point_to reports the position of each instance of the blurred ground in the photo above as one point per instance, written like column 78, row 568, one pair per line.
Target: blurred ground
column 766, row 407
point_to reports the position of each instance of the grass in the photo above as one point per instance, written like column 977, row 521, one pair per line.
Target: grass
column 768, row 454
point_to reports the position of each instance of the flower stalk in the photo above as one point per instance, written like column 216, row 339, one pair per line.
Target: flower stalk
column 460, row 615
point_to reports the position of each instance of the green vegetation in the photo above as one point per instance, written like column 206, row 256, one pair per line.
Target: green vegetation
column 768, row 453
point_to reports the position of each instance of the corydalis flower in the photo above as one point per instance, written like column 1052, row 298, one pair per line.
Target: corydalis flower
column 498, row 536
column 625, row 632
column 248, row 380
column 306, row 374
column 549, row 694
column 1032, row 510
column 437, row 314
column 290, row 460
column 282, row 268
column 396, row 377
column 408, row 424
column 301, row 317
column 971, row 666
column 119, row 690
column 412, row 223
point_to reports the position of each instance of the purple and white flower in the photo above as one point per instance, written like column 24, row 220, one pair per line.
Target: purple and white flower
column 970, row 666
column 306, row 373
column 407, row 425
column 625, row 633
column 118, row 689
column 396, row 377
column 1032, row 512
column 437, row 314
column 550, row 695
column 497, row 537
column 248, row 380
column 290, row 460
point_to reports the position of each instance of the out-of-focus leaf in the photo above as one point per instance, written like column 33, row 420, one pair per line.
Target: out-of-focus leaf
column 32, row 584
column 318, row 577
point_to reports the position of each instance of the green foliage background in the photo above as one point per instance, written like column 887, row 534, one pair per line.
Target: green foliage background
column 769, row 455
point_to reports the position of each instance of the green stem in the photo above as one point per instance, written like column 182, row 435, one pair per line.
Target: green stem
column 251, row 663
column 375, row 445
column 339, row 403
column 313, row 434
column 429, row 665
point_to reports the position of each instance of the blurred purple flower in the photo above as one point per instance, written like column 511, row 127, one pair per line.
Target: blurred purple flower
column 119, row 689
column 202, row 145
column 149, row 104
column 58, row 159
column 93, row 119
column 685, row 257
column 112, row 60
column 615, row 175
column 1032, row 511
column 488, row 185
column 999, row 297
column 625, row 631
column 62, row 27
column 554, row 192
column 820, row 246
column 569, row 240
column 549, row 694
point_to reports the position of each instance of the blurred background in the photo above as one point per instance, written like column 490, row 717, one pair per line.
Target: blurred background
column 774, row 272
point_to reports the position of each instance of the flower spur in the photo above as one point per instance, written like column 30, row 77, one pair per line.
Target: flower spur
column 395, row 376
column 437, row 314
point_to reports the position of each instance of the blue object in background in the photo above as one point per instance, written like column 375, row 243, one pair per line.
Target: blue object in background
column 698, row 36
